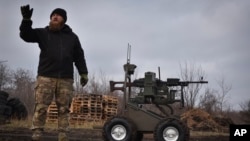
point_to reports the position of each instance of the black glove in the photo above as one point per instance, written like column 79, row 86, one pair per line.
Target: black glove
column 26, row 12
column 84, row 79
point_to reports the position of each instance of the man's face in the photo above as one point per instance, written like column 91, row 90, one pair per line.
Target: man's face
column 56, row 18
column 56, row 22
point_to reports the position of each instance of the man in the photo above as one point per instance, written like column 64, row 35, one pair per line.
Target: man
column 60, row 48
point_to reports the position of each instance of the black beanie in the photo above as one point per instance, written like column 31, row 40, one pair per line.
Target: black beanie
column 60, row 12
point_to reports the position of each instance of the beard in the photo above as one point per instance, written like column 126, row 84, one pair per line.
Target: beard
column 55, row 26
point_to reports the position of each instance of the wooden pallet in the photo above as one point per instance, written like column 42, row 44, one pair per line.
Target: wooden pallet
column 52, row 113
column 91, row 107
column 110, row 106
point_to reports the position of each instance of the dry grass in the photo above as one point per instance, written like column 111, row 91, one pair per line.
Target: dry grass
column 51, row 126
column 207, row 133
column 14, row 124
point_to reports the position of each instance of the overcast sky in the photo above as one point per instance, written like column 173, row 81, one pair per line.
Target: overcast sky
column 213, row 34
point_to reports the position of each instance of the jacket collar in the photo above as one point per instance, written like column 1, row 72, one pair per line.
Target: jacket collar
column 66, row 28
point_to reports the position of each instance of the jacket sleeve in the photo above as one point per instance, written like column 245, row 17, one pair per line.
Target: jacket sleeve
column 26, row 32
column 79, row 58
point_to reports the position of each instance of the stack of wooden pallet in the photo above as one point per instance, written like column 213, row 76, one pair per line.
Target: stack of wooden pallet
column 95, row 107
column 87, row 107
column 79, row 109
column 52, row 113
column 110, row 106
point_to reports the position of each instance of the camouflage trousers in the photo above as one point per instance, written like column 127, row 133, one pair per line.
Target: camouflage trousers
column 47, row 89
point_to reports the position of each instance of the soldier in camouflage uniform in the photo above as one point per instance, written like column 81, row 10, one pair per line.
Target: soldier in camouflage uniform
column 60, row 49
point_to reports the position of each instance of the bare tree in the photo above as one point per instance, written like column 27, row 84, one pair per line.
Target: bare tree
column 23, row 83
column 223, row 92
column 245, row 112
column 190, row 72
column 97, row 84
column 209, row 101
column 4, row 76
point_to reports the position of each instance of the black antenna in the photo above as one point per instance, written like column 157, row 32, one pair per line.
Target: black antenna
column 129, row 53
column 159, row 71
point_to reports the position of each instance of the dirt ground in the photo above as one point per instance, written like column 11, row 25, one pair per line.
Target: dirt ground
column 24, row 134
column 203, row 127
